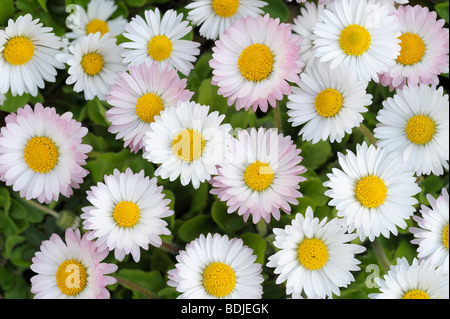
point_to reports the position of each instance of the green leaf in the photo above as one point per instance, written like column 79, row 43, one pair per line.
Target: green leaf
column 12, row 241
column 194, row 227
column 442, row 10
column 97, row 112
column 227, row 222
column 5, row 199
column 313, row 187
column 207, row 95
column 144, row 284
column 314, row 155
column 43, row 4
column 135, row 3
column 277, row 9
column 257, row 243
column 7, row 10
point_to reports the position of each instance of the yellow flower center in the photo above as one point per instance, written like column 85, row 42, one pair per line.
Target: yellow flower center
column 328, row 102
column 18, row 51
column 92, row 63
column 420, row 129
column 354, row 40
column 312, row 253
column 445, row 236
column 219, row 279
column 412, row 49
column 148, row 106
column 416, row 294
column 159, row 47
column 371, row 191
column 71, row 277
column 256, row 62
column 41, row 154
column 126, row 214
column 188, row 145
column 258, row 176
column 225, row 8
column 97, row 25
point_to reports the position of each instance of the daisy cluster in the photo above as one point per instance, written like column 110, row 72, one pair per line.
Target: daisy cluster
column 314, row 74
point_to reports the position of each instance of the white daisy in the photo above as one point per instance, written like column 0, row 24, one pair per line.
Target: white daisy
column 420, row 280
column 94, row 64
column 359, row 34
column 95, row 19
column 160, row 39
column 315, row 257
column 373, row 192
column 217, row 267
column 215, row 16
column 415, row 124
column 27, row 56
column 71, row 270
column 303, row 25
column 187, row 142
column 41, row 154
column 260, row 175
column 126, row 214
column 432, row 233
column 328, row 102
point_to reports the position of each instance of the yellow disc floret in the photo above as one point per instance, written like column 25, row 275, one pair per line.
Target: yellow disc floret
column 92, row 63
column 159, row 47
column 416, row 294
column 371, row 191
column 148, row 106
column 126, row 214
column 420, row 129
column 258, row 176
column 188, row 145
column 41, row 154
column 97, row 25
column 18, row 50
column 256, row 62
column 71, row 277
column 219, row 279
column 312, row 253
column 412, row 49
column 225, row 8
column 328, row 102
column 445, row 236
column 354, row 40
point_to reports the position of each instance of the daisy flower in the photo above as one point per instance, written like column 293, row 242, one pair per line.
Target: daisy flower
column 314, row 257
column 126, row 214
column 432, row 233
column 373, row 192
column 71, row 270
column 41, row 153
column 215, row 267
column 94, row 65
column 328, row 102
column 140, row 95
column 424, row 49
column 95, row 19
column 160, row 39
column 187, row 141
column 27, row 56
column 359, row 34
column 253, row 60
column 420, row 280
column 259, row 175
column 215, row 16
column 303, row 25
column 415, row 124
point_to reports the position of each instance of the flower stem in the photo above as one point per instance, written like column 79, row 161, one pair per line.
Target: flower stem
column 277, row 114
column 42, row 208
column 368, row 134
column 131, row 285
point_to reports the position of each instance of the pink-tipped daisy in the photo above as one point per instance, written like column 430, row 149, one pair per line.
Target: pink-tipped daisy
column 71, row 270
column 432, row 232
column 127, row 213
column 27, row 56
column 140, row 95
column 253, row 61
column 424, row 49
column 160, row 39
column 260, row 175
column 41, row 154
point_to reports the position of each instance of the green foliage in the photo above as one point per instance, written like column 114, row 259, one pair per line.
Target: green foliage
column 24, row 225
